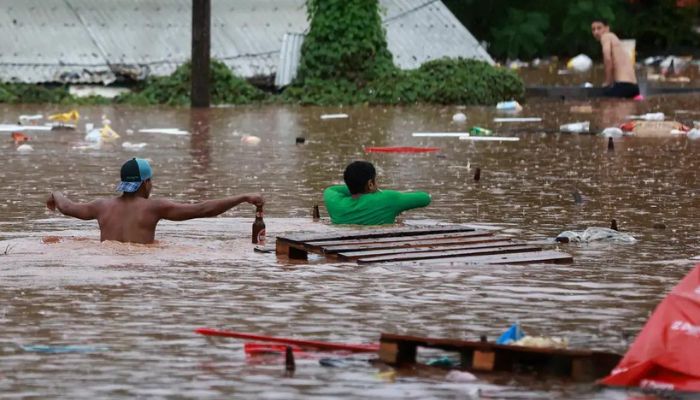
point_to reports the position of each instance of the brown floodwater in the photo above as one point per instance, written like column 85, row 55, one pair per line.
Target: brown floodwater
column 136, row 306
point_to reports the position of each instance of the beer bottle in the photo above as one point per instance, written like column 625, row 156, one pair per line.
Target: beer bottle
column 259, row 227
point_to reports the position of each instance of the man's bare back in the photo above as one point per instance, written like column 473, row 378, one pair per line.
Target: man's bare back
column 133, row 216
column 623, row 70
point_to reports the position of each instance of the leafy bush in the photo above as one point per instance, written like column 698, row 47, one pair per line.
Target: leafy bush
column 445, row 81
column 174, row 89
column 346, row 41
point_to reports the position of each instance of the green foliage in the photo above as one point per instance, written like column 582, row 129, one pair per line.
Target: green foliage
column 524, row 37
column 174, row 90
column 576, row 25
column 346, row 41
column 445, row 81
column 661, row 26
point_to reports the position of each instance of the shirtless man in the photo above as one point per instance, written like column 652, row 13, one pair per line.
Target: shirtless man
column 620, row 79
column 133, row 217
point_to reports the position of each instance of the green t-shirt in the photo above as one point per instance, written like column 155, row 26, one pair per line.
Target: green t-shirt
column 371, row 208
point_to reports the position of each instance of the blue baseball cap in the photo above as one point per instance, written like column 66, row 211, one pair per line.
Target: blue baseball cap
column 134, row 173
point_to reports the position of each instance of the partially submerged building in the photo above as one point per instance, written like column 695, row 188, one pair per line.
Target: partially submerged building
column 101, row 41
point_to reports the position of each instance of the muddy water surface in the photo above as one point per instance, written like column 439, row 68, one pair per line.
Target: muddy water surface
column 135, row 307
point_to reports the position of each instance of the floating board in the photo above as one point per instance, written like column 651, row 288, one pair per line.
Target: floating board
column 401, row 149
column 440, row 134
column 334, row 116
column 165, row 131
column 490, row 138
column 355, row 348
column 523, row 119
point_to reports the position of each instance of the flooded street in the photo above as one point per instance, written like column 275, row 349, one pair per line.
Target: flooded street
column 135, row 307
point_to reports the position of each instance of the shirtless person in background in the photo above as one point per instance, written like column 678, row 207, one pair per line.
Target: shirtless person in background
column 133, row 217
column 620, row 79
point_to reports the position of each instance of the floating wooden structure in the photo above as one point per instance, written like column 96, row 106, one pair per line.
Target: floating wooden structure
column 579, row 365
column 438, row 243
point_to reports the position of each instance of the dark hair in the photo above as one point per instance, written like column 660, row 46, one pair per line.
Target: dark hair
column 603, row 21
column 357, row 174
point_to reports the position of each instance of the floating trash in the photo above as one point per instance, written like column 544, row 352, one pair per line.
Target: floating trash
column 440, row 134
column 509, row 106
column 580, row 63
column 62, row 349
column 549, row 342
column 401, row 149
column 524, row 119
column 30, row 119
column 72, row 115
column 459, row 117
column 659, row 116
column 490, row 138
column 21, row 128
column 250, row 140
column 19, row 137
column 612, row 132
column 576, row 127
column 25, row 148
column 460, row 376
column 165, row 131
column 334, row 116
column 133, row 146
column 694, row 134
column 596, row 234
column 479, row 131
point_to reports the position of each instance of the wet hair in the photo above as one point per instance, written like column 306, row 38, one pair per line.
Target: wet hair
column 603, row 21
column 357, row 174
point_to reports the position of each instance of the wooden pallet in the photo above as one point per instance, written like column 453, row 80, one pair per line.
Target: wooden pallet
column 434, row 244
column 579, row 365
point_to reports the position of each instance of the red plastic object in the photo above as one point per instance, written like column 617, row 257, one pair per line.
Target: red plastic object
column 628, row 126
column 665, row 354
column 401, row 149
column 638, row 97
column 305, row 344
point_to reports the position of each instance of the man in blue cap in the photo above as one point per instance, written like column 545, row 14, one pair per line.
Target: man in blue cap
column 133, row 217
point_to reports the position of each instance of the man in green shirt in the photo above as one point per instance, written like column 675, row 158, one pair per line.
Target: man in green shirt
column 361, row 202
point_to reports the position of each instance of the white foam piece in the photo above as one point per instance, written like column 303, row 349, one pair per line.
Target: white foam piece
column 334, row 116
column 20, row 128
column 165, row 131
column 523, row 119
column 490, row 138
column 440, row 134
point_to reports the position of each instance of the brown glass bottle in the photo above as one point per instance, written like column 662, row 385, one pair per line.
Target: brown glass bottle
column 259, row 227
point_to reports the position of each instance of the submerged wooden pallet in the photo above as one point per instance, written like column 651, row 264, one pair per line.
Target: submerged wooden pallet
column 440, row 243
column 579, row 365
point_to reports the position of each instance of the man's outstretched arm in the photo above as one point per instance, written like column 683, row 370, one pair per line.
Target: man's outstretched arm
column 173, row 211
column 67, row 207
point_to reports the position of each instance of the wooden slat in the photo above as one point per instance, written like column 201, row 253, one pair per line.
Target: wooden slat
column 453, row 253
column 398, row 238
column 375, row 233
column 350, row 255
column 545, row 256
column 406, row 244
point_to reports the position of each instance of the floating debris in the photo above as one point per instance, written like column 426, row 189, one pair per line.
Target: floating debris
column 580, row 63
column 459, row 117
column 250, row 140
column 440, row 134
column 511, row 106
column 576, row 127
column 165, row 131
column 334, row 116
column 594, row 234
column 524, row 119
column 25, row 148
column 133, row 146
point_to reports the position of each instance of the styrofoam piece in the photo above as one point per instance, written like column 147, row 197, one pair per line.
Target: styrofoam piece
column 19, row 128
column 439, row 134
column 523, row 119
column 490, row 138
column 334, row 116
column 165, row 131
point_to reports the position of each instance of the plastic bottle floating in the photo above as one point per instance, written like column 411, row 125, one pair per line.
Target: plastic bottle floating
column 479, row 131
column 250, row 140
column 66, row 117
column 509, row 106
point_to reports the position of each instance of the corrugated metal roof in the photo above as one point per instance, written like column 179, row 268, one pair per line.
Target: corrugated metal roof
column 94, row 40
column 289, row 58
